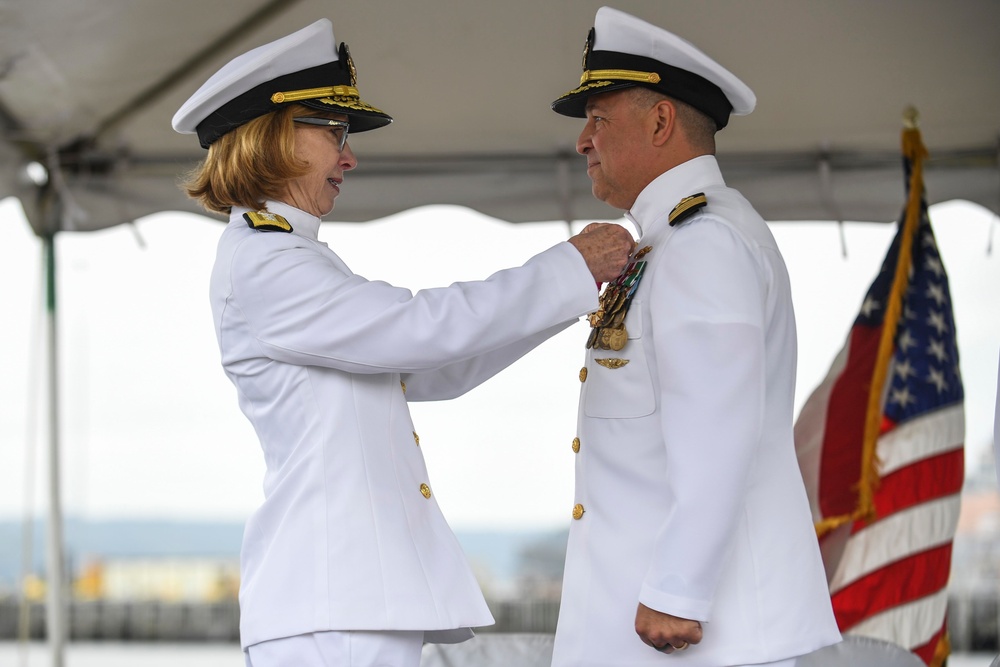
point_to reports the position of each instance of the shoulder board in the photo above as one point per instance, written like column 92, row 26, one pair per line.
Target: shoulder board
column 266, row 222
column 687, row 207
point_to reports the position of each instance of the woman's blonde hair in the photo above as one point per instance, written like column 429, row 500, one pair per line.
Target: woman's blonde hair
column 249, row 165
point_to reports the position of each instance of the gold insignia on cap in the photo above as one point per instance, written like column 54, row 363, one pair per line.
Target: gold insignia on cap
column 620, row 74
column 346, row 54
column 266, row 221
column 687, row 207
column 315, row 93
column 349, row 103
column 612, row 363
column 592, row 84
column 587, row 47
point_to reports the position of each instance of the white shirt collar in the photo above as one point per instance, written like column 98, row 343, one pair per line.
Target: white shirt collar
column 664, row 192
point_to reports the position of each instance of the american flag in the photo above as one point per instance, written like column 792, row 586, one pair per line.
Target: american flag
column 881, row 445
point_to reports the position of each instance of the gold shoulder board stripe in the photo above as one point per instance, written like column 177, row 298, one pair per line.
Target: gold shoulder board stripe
column 687, row 207
column 266, row 222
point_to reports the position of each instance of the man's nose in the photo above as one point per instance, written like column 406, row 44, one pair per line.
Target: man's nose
column 583, row 143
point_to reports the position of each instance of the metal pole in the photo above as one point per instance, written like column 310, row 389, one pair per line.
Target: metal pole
column 30, row 475
column 56, row 608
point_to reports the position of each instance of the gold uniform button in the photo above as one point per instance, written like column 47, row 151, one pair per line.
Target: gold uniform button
column 416, row 438
column 583, row 374
column 425, row 490
column 403, row 385
column 578, row 511
column 576, row 445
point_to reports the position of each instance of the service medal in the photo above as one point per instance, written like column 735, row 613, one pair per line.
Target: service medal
column 605, row 339
column 608, row 321
column 617, row 338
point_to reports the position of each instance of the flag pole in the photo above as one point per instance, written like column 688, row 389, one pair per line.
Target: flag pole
column 869, row 479
column 914, row 152
column 880, row 442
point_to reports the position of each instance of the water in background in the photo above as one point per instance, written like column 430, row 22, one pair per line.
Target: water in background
column 112, row 654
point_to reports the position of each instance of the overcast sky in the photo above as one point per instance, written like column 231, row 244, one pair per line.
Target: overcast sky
column 151, row 426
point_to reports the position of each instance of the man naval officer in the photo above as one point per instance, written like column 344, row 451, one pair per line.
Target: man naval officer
column 692, row 542
column 349, row 560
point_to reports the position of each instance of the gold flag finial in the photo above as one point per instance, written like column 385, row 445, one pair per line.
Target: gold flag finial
column 910, row 116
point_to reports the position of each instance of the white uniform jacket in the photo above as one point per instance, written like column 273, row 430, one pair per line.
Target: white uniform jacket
column 350, row 535
column 692, row 501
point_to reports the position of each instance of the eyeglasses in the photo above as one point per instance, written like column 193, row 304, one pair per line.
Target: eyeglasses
column 338, row 127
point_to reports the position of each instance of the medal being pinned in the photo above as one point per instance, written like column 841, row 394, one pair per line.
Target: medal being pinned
column 608, row 321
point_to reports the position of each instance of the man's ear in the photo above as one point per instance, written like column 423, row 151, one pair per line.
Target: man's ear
column 665, row 121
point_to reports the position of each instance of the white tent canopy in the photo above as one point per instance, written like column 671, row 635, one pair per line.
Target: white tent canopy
column 88, row 87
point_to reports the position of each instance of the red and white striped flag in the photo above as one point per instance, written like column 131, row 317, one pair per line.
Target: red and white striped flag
column 880, row 445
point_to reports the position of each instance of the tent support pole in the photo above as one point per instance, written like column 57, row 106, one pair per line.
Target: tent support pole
column 56, row 607
column 826, row 193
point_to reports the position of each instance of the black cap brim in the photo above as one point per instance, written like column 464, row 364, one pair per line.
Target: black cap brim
column 362, row 116
column 574, row 103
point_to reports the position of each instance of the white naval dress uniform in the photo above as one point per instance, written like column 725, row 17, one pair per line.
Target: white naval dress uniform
column 691, row 497
column 350, row 536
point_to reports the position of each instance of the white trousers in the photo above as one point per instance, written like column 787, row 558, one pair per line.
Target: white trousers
column 339, row 649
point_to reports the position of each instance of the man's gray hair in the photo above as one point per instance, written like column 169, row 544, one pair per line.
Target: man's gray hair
column 699, row 128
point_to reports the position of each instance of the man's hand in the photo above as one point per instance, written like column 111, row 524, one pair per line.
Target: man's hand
column 606, row 249
column 664, row 632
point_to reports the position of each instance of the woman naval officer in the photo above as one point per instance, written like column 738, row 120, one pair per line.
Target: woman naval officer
column 349, row 560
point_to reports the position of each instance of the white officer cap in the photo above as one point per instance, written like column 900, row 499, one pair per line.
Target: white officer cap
column 304, row 67
column 624, row 51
